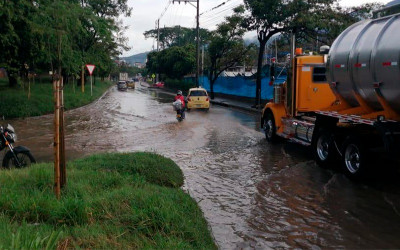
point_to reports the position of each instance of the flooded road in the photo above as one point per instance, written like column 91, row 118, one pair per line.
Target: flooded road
column 254, row 195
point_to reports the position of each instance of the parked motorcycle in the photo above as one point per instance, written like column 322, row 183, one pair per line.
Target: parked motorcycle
column 18, row 157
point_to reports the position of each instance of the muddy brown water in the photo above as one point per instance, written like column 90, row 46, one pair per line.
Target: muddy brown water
column 253, row 195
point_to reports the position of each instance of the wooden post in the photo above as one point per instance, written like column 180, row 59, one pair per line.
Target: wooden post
column 57, row 187
column 83, row 79
column 63, row 166
column 91, row 85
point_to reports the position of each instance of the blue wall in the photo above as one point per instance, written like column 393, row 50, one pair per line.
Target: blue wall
column 241, row 86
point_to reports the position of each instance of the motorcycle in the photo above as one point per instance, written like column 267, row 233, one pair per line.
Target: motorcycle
column 18, row 157
column 180, row 115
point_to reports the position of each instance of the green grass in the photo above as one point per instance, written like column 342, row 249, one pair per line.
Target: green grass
column 14, row 102
column 112, row 201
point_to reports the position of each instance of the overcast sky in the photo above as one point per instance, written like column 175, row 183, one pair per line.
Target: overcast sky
column 146, row 12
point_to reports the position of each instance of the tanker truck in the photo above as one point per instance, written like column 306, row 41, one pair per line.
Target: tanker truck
column 345, row 102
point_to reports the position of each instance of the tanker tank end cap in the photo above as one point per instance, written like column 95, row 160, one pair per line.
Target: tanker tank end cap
column 323, row 50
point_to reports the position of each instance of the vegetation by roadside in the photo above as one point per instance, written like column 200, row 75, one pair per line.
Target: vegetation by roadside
column 130, row 200
column 175, row 84
column 14, row 102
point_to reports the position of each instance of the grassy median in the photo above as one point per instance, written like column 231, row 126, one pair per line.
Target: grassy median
column 112, row 201
column 14, row 102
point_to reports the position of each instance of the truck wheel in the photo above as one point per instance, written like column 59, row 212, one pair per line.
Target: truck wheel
column 324, row 148
column 270, row 128
column 354, row 156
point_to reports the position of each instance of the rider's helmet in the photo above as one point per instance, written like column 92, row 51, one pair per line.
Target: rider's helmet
column 179, row 92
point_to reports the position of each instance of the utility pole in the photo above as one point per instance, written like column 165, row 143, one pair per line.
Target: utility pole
column 158, row 41
column 202, row 65
column 198, row 44
column 197, row 35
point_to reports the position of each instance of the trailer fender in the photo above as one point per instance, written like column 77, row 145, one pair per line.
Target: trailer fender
column 324, row 123
column 278, row 111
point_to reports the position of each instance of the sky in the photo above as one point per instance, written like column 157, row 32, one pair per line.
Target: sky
column 146, row 12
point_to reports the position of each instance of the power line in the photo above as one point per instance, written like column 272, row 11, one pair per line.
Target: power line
column 216, row 7
column 215, row 19
column 175, row 15
column 230, row 7
column 165, row 10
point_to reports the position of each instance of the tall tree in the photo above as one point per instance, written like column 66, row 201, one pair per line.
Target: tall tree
column 226, row 48
column 176, row 36
column 174, row 62
column 40, row 34
column 15, row 37
column 270, row 17
column 102, row 32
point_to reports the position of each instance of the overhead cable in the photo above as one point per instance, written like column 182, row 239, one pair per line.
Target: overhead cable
column 216, row 7
column 165, row 10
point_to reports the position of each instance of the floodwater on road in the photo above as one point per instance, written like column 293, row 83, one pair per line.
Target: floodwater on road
column 253, row 195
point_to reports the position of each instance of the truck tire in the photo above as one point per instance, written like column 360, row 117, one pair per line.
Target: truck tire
column 354, row 158
column 325, row 152
column 270, row 128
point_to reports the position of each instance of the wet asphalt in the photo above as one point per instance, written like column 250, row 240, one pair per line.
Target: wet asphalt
column 253, row 194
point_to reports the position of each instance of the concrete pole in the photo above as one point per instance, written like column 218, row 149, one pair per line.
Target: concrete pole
column 198, row 43
column 202, row 65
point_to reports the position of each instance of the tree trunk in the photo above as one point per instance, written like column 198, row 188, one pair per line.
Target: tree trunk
column 212, row 81
column 212, row 78
column 259, row 69
column 12, row 81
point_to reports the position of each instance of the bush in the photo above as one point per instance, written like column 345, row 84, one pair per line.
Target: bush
column 154, row 168
column 176, row 84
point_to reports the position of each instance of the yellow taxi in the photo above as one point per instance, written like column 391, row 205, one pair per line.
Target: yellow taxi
column 130, row 84
column 197, row 98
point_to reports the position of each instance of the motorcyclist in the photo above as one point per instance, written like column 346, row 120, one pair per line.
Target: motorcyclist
column 180, row 97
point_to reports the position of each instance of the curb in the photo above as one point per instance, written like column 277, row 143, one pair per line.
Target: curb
column 226, row 104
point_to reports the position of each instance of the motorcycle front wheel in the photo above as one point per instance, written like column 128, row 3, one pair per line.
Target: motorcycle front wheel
column 25, row 159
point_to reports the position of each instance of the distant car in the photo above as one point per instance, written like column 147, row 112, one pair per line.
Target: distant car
column 197, row 98
column 121, row 85
column 158, row 85
column 130, row 84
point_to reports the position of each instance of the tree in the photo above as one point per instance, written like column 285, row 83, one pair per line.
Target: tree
column 15, row 37
column 173, row 62
column 102, row 36
column 325, row 28
column 226, row 48
column 41, row 34
column 177, row 36
column 270, row 17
